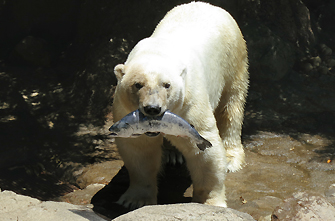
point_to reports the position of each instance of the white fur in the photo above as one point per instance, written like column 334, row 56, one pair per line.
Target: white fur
column 199, row 50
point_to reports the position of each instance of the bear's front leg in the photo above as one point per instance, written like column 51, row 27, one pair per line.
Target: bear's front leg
column 142, row 158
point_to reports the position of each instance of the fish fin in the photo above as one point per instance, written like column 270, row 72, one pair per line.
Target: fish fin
column 204, row 144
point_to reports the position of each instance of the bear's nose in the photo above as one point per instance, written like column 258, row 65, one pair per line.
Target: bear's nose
column 152, row 110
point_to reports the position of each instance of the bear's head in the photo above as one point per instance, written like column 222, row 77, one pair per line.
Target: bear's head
column 151, row 84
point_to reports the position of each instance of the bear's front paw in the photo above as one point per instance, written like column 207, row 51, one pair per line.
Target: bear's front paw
column 134, row 198
column 235, row 159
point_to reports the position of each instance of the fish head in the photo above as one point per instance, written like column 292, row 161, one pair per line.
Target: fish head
column 121, row 129
column 150, row 85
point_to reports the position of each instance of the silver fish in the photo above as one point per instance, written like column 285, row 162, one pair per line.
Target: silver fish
column 136, row 123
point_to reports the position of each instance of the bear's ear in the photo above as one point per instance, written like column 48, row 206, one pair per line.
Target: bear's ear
column 119, row 72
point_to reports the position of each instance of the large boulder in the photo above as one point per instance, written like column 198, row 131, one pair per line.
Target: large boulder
column 188, row 211
column 18, row 207
column 304, row 206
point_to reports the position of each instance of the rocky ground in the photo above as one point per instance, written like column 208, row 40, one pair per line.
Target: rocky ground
column 282, row 172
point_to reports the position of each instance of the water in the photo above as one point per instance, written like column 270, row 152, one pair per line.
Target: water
column 277, row 166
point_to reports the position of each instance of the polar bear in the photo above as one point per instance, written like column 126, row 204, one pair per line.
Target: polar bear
column 194, row 64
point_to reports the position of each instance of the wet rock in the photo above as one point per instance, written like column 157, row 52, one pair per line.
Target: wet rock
column 189, row 211
column 261, row 209
column 331, row 191
column 263, row 176
column 18, row 207
column 279, row 165
column 97, row 173
column 303, row 149
column 304, row 206
column 330, row 194
column 82, row 197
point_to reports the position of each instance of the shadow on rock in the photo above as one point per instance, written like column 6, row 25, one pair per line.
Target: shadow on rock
column 173, row 182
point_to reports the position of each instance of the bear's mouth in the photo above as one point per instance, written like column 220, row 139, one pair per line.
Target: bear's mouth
column 152, row 134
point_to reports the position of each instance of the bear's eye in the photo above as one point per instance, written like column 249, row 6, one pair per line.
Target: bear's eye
column 167, row 85
column 138, row 85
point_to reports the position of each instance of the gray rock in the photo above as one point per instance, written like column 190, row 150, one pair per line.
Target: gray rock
column 188, row 211
column 17, row 207
column 304, row 206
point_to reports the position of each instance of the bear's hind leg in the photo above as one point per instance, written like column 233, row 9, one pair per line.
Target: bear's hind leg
column 229, row 117
column 142, row 158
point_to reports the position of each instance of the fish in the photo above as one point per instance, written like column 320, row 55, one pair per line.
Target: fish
column 136, row 123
